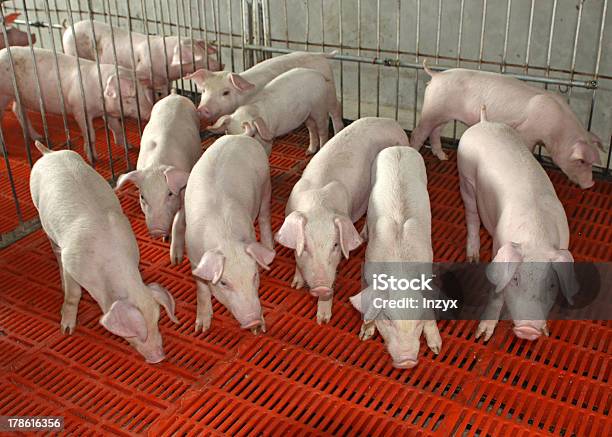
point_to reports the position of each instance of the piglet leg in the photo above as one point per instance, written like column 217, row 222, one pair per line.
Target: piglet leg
column 432, row 336
column 177, row 245
column 468, row 193
column 204, row 310
column 24, row 121
column 490, row 317
column 367, row 331
column 264, row 218
column 72, row 294
column 313, row 145
column 85, row 125
column 436, row 143
column 298, row 280
column 115, row 126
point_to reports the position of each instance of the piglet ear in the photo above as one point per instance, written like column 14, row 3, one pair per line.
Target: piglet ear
column 125, row 320
column 291, row 233
column 261, row 254
column 597, row 142
column 239, row 83
column 220, row 125
column 563, row 265
column 199, row 77
column 501, row 271
column 176, row 179
column 262, row 129
column 585, row 152
column 134, row 177
column 184, row 54
column 10, row 18
column 210, row 267
column 128, row 88
column 164, row 298
column 349, row 237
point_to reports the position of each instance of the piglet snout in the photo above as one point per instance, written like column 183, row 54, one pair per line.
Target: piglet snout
column 324, row 293
column 527, row 332
column 155, row 357
column 204, row 113
column 407, row 363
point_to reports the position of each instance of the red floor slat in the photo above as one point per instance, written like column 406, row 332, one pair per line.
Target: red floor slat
column 299, row 377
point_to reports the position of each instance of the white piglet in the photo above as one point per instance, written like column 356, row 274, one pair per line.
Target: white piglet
column 223, row 92
column 96, row 100
column 536, row 114
column 398, row 231
column 503, row 185
column 297, row 96
column 329, row 198
column 169, row 148
column 164, row 59
column 228, row 189
column 96, row 249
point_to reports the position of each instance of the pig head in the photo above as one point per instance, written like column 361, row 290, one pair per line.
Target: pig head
column 161, row 192
column 320, row 236
column 128, row 96
column 528, row 282
column 401, row 329
column 136, row 320
column 247, row 121
column 222, row 92
column 232, row 274
column 577, row 159
column 15, row 36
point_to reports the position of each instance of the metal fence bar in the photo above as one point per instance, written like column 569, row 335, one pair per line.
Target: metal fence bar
column 397, row 42
column 143, row 8
column 163, row 35
column 58, row 77
column 101, row 85
column 416, row 60
column 19, row 109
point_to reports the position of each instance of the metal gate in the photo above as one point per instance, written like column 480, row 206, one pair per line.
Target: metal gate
column 562, row 45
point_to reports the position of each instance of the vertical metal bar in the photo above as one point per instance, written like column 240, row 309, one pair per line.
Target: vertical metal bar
column 163, row 35
column 602, row 26
column 482, row 33
column 38, row 31
column 193, row 45
column 307, row 27
column 206, row 33
column 243, row 26
column 267, row 40
column 506, row 33
column 58, row 77
column 341, row 39
column 20, row 108
column 231, row 34
column 416, row 59
column 215, row 13
column 528, row 48
column 105, row 115
column 58, row 20
column 143, row 7
column 88, row 142
column 575, row 49
column 397, row 42
column 322, row 27
column 359, row 54
column 377, row 55
column 438, row 29
column 9, row 173
column 459, row 41
column 41, row 103
column 134, row 78
column 551, row 32
column 121, row 111
column 285, row 15
column 179, row 41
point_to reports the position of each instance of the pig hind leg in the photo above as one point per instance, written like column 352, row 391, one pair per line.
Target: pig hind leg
column 335, row 112
column 468, row 193
column 298, row 279
column 313, row 146
column 204, row 310
column 87, row 130
column 24, row 121
column 177, row 245
column 436, row 143
column 264, row 217
column 72, row 294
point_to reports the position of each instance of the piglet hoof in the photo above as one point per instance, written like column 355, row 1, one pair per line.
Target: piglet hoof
column 367, row 331
column 67, row 328
column 473, row 258
column 176, row 255
column 485, row 327
column 202, row 325
column 324, row 312
column 441, row 155
column 298, row 281
column 311, row 151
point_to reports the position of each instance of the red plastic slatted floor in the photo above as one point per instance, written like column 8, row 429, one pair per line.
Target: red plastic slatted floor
column 299, row 377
